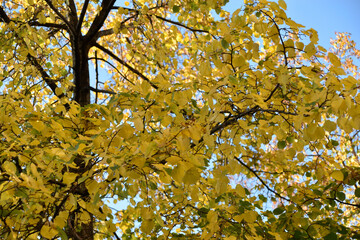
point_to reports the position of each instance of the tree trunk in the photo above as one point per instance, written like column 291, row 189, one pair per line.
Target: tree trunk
column 80, row 52
column 76, row 229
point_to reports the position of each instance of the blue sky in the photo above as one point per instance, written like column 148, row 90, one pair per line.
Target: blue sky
column 325, row 16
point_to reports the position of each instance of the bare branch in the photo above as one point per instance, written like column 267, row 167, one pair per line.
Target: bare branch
column 96, row 76
column 272, row 92
column 50, row 25
column 50, row 82
column 281, row 38
column 122, row 62
column 112, row 65
column 82, row 15
column 99, row 20
column 262, row 181
column 60, row 15
column 233, row 119
column 110, row 31
column 181, row 25
column 164, row 19
column 101, row 90
column 73, row 12
column 103, row 33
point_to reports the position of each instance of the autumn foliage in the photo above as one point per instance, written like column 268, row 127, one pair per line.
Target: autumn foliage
column 175, row 120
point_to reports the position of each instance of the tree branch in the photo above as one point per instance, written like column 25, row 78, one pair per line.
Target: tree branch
column 4, row 17
column 122, row 62
column 103, row 33
column 110, row 31
column 50, row 25
column 234, row 118
column 262, row 181
column 60, row 15
column 272, row 92
column 82, row 15
column 73, row 11
column 50, row 82
column 164, row 19
column 45, row 76
column 101, row 90
column 112, row 65
column 99, row 20
column 96, row 76
column 181, row 25
column 281, row 39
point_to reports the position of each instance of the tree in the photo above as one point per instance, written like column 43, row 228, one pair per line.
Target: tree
column 238, row 126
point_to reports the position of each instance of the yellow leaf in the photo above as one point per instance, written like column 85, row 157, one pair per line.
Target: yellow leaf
column 238, row 61
column 310, row 50
column 195, row 132
column 58, row 91
column 39, row 126
column 191, row 176
column 139, row 161
column 93, row 187
column 221, row 185
column 72, row 201
column 299, row 45
column 239, row 218
column 127, row 3
column 230, row 238
column 173, row 160
column 338, row 175
column 260, row 27
column 282, row 4
column 126, row 131
column 338, row 70
column 334, row 59
column 319, row 133
column 147, row 225
column 212, row 216
column 9, row 167
column 329, row 126
column 61, row 220
column 138, row 123
column 69, row 178
column 205, row 68
column 92, row 132
column 48, row 232
column 240, row 190
column 178, row 173
column 250, row 216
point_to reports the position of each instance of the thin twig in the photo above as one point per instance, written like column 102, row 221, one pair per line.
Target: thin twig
column 262, row 181
column 96, row 76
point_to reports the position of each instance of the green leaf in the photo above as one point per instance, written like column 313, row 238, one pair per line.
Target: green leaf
column 340, row 195
column 62, row 234
column 278, row 211
column 176, row 9
column 224, row 43
column 331, row 236
column 281, row 144
column 203, row 212
column 153, row 186
column 357, row 192
column 290, row 139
